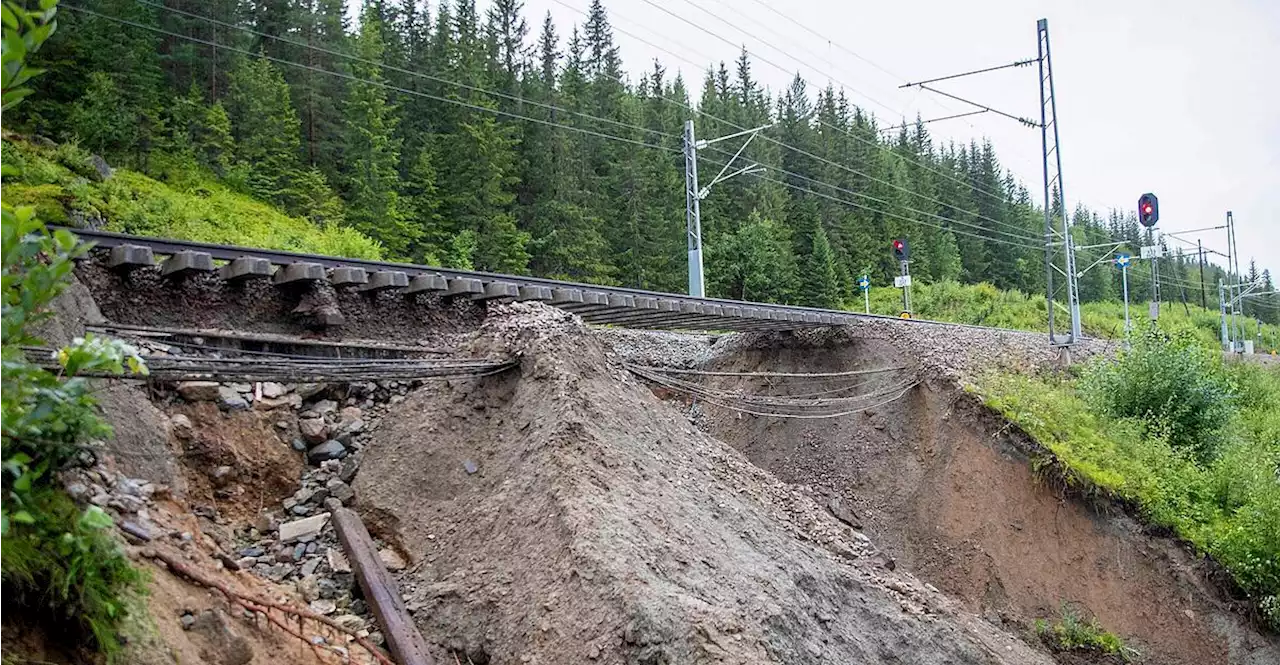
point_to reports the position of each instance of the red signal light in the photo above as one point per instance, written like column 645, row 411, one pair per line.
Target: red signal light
column 1147, row 209
column 897, row 244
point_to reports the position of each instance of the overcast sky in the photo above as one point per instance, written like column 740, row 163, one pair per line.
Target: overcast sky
column 1175, row 97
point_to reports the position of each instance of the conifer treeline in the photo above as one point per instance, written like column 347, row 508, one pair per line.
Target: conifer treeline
column 467, row 140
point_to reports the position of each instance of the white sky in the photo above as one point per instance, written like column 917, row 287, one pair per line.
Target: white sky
column 1175, row 97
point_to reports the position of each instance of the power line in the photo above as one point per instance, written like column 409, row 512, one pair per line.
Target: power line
column 521, row 117
column 612, row 12
column 821, row 122
column 787, row 55
column 792, row 174
column 855, row 204
column 1023, row 232
column 474, row 107
column 423, row 75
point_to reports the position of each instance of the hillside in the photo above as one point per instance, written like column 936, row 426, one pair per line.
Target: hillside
column 66, row 187
column 986, row 305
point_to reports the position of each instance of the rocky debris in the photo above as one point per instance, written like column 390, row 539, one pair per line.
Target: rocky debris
column 128, row 500
column 605, row 526
column 100, row 168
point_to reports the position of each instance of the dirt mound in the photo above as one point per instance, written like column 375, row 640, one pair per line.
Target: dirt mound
column 949, row 491
column 562, row 514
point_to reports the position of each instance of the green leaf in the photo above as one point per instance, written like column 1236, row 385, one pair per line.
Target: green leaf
column 6, row 14
column 95, row 518
column 23, row 517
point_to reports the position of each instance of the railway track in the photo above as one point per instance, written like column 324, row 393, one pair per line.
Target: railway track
column 601, row 305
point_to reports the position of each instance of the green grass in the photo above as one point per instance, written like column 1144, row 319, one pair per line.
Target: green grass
column 190, row 204
column 1071, row 632
column 1228, row 507
column 985, row 305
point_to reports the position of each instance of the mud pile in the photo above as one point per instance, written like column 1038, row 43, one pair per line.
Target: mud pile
column 947, row 488
column 561, row 513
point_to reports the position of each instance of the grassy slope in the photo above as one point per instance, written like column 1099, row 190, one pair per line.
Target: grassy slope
column 65, row 190
column 984, row 304
column 1229, row 508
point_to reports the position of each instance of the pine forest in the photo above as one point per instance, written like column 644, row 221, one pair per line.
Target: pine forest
column 482, row 138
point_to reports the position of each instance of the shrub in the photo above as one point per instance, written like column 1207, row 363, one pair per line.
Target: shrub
column 1175, row 386
column 1071, row 632
column 55, row 560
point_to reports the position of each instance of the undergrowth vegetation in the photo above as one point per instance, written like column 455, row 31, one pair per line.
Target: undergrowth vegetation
column 59, row 563
column 1071, row 632
column 1191, row 441
column 62, row 185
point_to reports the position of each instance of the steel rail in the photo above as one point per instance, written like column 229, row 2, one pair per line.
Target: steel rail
column 697, row 313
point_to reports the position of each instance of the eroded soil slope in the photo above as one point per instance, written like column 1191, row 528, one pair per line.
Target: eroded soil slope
column 563, row 514
column 948, row 490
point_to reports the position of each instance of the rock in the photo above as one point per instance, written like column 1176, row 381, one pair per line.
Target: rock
column 308, row 390
column 337, row 560
column 301, row 509
column 101, row 169
column 328, row 450
column 392, row 559
column 199, row 391
column 282, row 424
column 340, row 491
column 265, row 523
column 187, row 621
column 241, row 387
column 318, row 496
column 297, row 529
column 230, row 400
column 350, row 622
column 271, row 389
column 299, row 551
column 323, row 606
column 253, row 551
column 78, row 491
column 291, row 401
column 308, row 588
column 349, row 414
column 219, row 644
column 182, row 427
column 325, row 406
column 842, row 512
column 470, row 467
column 376, row 638
column 350, row 466
column 309, row 568
column 331, row 504
column 221, row 476
column 299, row 445
column 314, row 430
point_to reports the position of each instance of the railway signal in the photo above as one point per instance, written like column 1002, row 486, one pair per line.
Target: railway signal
column 1148, row 210
column 901, row 251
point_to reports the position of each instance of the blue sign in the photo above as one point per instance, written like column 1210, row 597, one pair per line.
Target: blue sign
column 1123, row 261
column 864, row 282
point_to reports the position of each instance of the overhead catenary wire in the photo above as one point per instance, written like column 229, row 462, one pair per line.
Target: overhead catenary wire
column 972, row 186
column 493, row 110
column 343, row 75
column 402, row 70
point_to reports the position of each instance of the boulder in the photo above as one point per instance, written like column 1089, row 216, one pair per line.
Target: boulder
column 271, row 389
column 231, row 400
column 328, row 450
column 314, row 430
column 199, row 391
